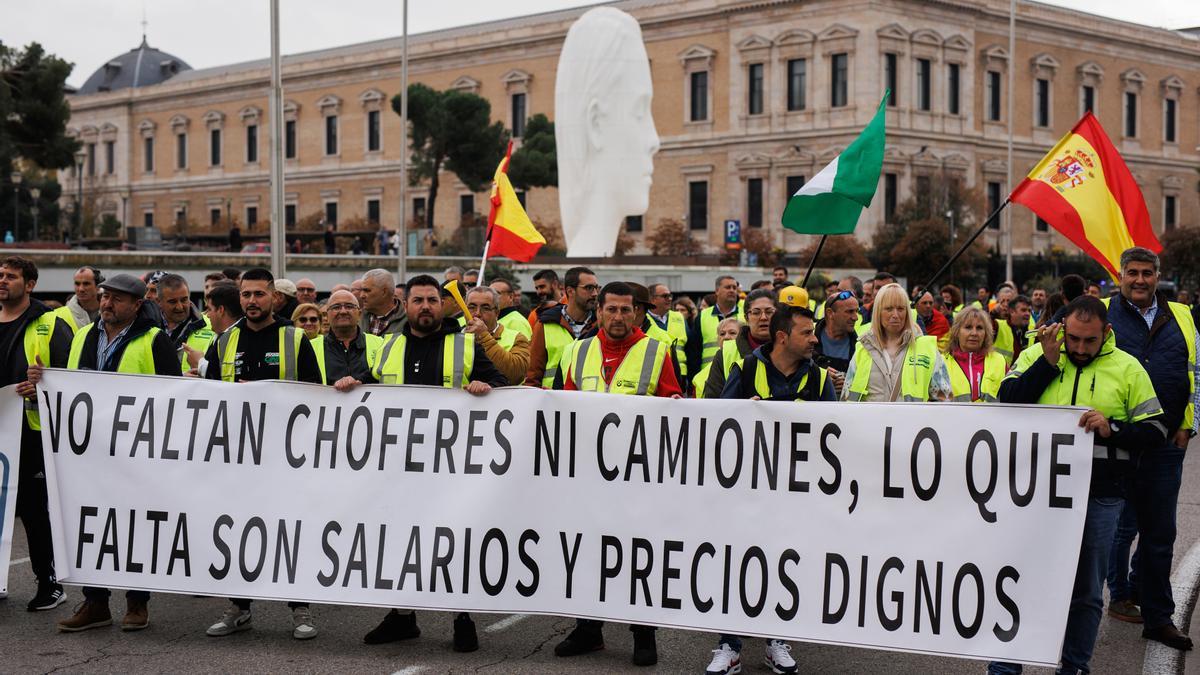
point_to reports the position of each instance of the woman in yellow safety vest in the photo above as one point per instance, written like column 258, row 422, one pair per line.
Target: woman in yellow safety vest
column 307, row 317
column 975, row 367
column 728, row 329
column 893, row 361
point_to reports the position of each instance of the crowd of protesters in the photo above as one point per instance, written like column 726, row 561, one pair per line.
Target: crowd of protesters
column 856, row 340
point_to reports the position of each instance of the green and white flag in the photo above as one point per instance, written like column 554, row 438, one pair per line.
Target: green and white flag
column 831, row 202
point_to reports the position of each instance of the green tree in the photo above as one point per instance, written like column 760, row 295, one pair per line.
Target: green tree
column 33, row 109
column 840, row 252
column 535, row 164
column 918, row 239
column 452, row 131
column 1181, row 256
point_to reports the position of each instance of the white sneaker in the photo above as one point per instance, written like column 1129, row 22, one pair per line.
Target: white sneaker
column 779, row 658
column 725, row 661
column 302, row 624
column 233, row 620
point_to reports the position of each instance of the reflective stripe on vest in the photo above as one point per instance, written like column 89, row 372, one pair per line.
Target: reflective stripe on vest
column 915, row 375
column 136, row 358
column 708, row 331
column 199, row 340
column 677, row 329
column 1005, row 341
column 373, row 345
column 637, row 374
column 989, row 384
column 763, row 388
column 556, row 339
column 458, row 359
column 513, row 322
column 67, row 315
column 37, row 344
column 289, row 347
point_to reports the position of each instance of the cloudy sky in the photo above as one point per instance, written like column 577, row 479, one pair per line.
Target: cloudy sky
column 213, row 32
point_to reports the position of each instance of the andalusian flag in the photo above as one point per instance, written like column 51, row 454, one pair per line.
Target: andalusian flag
column 1084, row 190
column 831, row 202
column 510, row 233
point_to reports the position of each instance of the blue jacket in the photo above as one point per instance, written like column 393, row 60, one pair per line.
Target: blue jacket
column 1160, row 349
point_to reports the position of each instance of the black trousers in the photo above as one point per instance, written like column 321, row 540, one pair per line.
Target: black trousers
column 594, row 625
column 33, row 505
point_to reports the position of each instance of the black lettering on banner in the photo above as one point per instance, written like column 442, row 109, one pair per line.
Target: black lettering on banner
column 668, row 459
column 179, row 548
column 637, row 450
column 117, row 424
column 769, row 451
column 157, row 518
column 357, row 562
column 569, row 558
column 251, row 434
column 447, row 421
column 327, row 580
column 543, row 443
column 608, row 571
column 131, row 565
column 53, row 421
column 414, row 438
column 700, row 447
column 165, row 451
column 500, row 468
column 753, row 609
column 610, row 474
column 108, row 542
column 725, row 579
column 889, row 623
column 796, row 456
column 1007, row 634
column 889, row 491
column 528, row 589
column 466, row 568
column 195, row 406
column 830, row 487
column 327, row 436
column 728, row 480
column 862, row 593
column 382, row 583
column 386, row 438
column 1058, row 469
column 926, row 493
column 789, row 585
column 474, row 440
column 293, row 460
column 704, row 549
column 78, row 446
column 640, row 573
column 670, row 573
column 833, row 560
column 1019, row 498
column 931, row 598
column 251, row 573
column 967, row 630
column 85, row 537
column 219, row 573
column 219, row 434
column 362, row 413
column 145, row 430
column 412, row 558
column 441, row 559
column 982, row 497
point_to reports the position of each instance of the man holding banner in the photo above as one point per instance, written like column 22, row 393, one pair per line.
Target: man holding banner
column 30, row 333
column 1078, row 363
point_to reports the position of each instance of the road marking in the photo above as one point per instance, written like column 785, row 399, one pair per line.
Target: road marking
column 18, row 561
column 1185, row 583
column 411, row 670
column 506, row 622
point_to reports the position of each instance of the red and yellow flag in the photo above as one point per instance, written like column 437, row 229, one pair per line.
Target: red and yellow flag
column 510, row 233
column 1083, row 189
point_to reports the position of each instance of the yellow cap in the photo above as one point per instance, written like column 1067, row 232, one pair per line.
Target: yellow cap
column 794, row 296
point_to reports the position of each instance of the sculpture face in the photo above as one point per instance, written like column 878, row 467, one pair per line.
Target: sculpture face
column 605, row 132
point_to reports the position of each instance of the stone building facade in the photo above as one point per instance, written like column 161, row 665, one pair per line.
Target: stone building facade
column 751, row 97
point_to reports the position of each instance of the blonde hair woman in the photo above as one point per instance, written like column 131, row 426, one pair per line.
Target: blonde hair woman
column 727, row 329
column 974, row 365
column 893, row 361
column 307, row 318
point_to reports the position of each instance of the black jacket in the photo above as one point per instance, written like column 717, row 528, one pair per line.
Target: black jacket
column 166, row 359
column 483, row 369
column 14, row 365
column 184, row 330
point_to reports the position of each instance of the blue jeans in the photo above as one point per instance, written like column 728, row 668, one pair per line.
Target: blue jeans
column 1087, row 596
column 1120, row 581
column 1156, row 493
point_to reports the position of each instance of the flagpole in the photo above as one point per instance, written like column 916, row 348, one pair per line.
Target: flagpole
column 483, row 261
column 990, row 219
column 1012, row 59
column 402, row 252
column 812, row 263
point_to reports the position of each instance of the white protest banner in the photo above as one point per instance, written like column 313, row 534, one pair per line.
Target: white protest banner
column 943, row 529
column 10, row 470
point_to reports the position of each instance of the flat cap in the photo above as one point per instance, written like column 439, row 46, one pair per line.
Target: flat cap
column 125, row 283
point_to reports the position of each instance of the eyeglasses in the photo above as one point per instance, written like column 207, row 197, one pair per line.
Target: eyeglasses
column 668, row 296
column 309, row 319
column 480, row 309
column 844, row 295
column 762, row 311
column 592, row 288
column 342, row 307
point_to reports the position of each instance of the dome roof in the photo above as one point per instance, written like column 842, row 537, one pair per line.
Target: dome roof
column 139, row 67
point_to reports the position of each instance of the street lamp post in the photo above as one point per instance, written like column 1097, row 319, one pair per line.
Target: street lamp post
column 34, row 194
column 16, row 181
column 79, row 158
column 953, row 236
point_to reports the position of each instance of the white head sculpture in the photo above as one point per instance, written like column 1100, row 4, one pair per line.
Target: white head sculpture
column 605, row 133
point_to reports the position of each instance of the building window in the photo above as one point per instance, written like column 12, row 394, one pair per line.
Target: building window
column 331, row 135
column 754, row 77
column 1088, row 94
column 180, row 151
column 214, row 217
column 373, row 211
column 373, row 138
column 698, row 205
column 418, row 209
column 148, row 219
column 754, row 202
column 466, row 208
column 331, row 214
column 148, row 153
column 1168, row 121
column 890, row 77
column 839, row 80
column 1169, row 212
column 993, row 96
column 993, row 202
column 251, row 216
column 954, row 89
column 91, row 159
column 797, row 74
column 110, row 157
column 214, row 147
column 1131, row 105
column 699, row 94
column 180, row 217
column 252, row 143
column 924, row 85
column 518, row 115
column 890, row 194
column 289, row 139
column 1041, row 225
column 1042, row 104
column 794, row 183
column 289, row 215
column 633, row 223
column 924, row 188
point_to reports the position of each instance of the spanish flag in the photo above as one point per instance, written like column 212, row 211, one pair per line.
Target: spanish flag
column 1084, row 190
column 510, row 233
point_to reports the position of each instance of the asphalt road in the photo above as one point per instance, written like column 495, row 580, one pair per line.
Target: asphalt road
column 175, row 640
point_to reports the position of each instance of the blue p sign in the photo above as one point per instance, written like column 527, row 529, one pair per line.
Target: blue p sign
column 733, row 234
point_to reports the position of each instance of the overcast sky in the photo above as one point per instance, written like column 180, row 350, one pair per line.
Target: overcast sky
column 207, row 33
